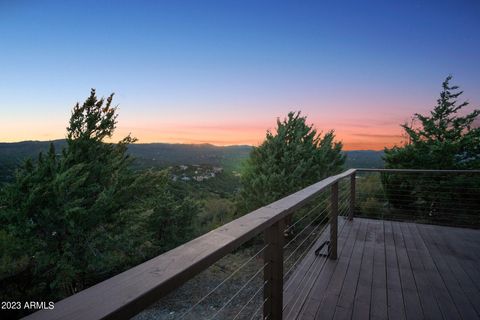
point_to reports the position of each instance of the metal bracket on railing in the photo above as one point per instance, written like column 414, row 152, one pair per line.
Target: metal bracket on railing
column 317, row 252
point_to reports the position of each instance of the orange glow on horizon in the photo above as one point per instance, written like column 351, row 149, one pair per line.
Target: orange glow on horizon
column 353, row 138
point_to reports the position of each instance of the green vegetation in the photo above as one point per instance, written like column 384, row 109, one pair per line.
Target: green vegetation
column 364, row 159
column 216, row 212
column 13, row 155
column 371, row 200
column 443, row 140
column 71, row 219
column 163, row 155
column 145, row 156
column 287, row 161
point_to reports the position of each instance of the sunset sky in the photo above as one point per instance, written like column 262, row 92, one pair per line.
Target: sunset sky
column 221, row 72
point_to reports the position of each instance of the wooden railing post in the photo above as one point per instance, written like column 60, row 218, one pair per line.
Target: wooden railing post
column 333, row 221
column 273, row 272
column 352, row 196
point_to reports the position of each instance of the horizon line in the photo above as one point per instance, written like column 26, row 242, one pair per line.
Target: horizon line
column 179, row 143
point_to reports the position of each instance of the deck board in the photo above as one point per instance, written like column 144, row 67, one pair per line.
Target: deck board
column 426, row 294
column 344, row 308
column 413, row 308
column 442, row 252
column 313, row 301
column 363, row 294
column 468, row 286
column 332, row 293
column 395, row 300
column 444, row 298
column 379, row 304
column 391, row 270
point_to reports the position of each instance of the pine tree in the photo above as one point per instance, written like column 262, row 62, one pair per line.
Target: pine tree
column 76, row 217
column 443, row 140
column 290, row 159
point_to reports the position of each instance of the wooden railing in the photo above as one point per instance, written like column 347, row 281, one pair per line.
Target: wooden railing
column 128, row 293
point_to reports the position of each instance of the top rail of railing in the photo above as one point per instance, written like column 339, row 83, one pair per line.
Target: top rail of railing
column 415, row 170
column 131, row 291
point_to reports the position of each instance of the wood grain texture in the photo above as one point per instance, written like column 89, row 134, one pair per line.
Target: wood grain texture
column 332, row 254
column 416, row 170
column 398, row 270
column 273, row 272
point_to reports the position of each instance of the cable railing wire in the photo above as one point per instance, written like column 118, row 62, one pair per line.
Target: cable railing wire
column 295, row 250
column 343, row 206
column 258, row 309
column 437, row 183
column 305, row 228
column 413, row 215
column 304, row 252
column 434, row 206
column 240, row 290
column 223, row 281
column 251, row 299
column 311, row 274
column 445, row 203
column 307, row 214
column 411, row 194
column 423, row 198
column 307, row 249
column 302, row 293
column 301, row 257
column 435, row 199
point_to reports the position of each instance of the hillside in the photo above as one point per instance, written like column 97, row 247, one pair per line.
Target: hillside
column 13, row 154
column 164, row 154
column 364, row 159
column 146, row 155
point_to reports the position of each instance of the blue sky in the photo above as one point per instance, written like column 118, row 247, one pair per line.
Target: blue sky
column 223, row 71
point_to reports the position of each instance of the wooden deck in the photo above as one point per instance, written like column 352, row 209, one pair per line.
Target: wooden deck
column 389, row 270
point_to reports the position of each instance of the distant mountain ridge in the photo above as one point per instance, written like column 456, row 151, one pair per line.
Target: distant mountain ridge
column 364, row 159
column 165, row 154
column 155, row 154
